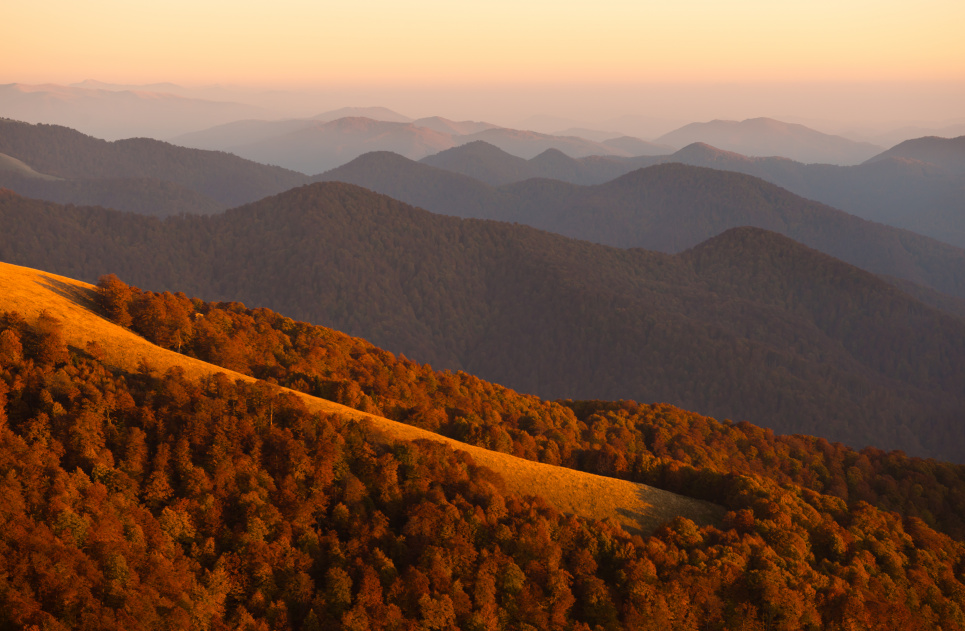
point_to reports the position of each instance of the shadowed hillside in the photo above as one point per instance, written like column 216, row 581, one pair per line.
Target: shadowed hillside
column 771, row 332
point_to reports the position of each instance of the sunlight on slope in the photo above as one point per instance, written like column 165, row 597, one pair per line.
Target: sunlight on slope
column 9, row 163
column 636, row 507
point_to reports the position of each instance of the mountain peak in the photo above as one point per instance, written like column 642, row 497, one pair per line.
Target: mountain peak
column 374, row 113
column 945, row 153
column 769, row 137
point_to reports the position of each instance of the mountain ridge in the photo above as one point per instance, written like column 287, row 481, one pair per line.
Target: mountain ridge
column 444, row 290
column 769, row 137
column 635, row 506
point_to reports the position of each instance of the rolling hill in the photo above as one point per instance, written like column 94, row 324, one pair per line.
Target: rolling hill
column 780, row 335
column 138, row 174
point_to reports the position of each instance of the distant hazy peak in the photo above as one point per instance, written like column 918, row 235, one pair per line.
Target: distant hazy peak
column 475, row 148
column 769, row 137
column 374, row 113
column 945, row 153
column 701, row 150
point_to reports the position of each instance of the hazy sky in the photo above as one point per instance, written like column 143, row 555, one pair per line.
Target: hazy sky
column 376, row 46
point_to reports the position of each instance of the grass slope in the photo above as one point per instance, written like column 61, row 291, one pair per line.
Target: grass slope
column 635, row 506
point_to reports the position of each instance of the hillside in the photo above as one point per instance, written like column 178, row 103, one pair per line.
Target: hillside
column 666, row 208
column 810, row 345
column 136, row 498
column 137, row 174
column 635, row 506
column 897, row 191
column 947, row 154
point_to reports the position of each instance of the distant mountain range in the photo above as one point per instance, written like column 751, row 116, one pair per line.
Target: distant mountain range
column 152, row 177
column 494, row 166
column 749, row 325
column 925, row 194
column 115, row 114
column 313, row 146
column 309, row 148
column 139, row 174
column 667, row 208
column 769, row 137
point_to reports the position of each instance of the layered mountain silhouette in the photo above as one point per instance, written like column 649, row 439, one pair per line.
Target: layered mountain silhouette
column 115, row 114
column 490, row 164
column 899, row 191
column 313, row 146
column 922, row 196
column 769, row 137
column 138, row 174
column 749, row 325
column 667, row 208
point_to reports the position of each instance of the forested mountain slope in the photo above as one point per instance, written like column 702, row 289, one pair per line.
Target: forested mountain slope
column 76, row 308
column 750, row 326
column 140, row 498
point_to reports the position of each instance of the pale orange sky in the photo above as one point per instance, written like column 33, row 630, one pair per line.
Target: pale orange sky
column 435, row 41
column 440, row 43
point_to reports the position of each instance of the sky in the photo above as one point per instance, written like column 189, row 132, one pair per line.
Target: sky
column 562, row 58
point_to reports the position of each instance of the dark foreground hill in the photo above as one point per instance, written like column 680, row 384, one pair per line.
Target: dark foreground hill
column 138, row 174
column 748, row 326
column 667, row 208
column 137, row 497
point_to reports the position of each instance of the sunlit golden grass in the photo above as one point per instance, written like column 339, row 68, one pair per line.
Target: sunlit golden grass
column 9, row 163
column 635, row 506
